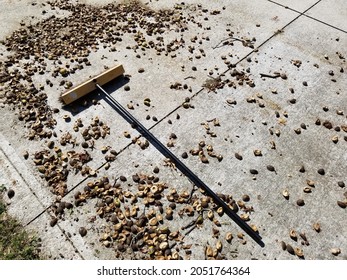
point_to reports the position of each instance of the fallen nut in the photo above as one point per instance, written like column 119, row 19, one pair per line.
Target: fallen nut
column 290, row 249
column 335, row 251
column 10, row 193
column 229, row 236
column 316, row 227
column 300, row 202
column 293, row 235
column 299, row 252
column 285, row 194
column 342, row 204
column 82, row 231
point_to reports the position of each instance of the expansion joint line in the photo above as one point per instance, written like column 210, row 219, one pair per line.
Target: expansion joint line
column 304, row 14
column 180, row 165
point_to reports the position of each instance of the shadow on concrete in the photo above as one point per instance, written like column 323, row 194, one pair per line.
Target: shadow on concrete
column 135, row 124
column 95, row 96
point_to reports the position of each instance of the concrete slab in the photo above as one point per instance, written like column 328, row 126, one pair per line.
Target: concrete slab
column 251, row 112
column 132, row 162
column 332, row 12
column 161, row 103
column 163, row 99
column 70, row 223
column 247, row 120
column 298, row 5
column 55, row 243
column 15, row 13
column 30, row 198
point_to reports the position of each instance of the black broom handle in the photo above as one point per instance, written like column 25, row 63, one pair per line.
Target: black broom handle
column 182, row 167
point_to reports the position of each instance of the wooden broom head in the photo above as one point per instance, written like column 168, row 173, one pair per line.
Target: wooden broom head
column 83, row 89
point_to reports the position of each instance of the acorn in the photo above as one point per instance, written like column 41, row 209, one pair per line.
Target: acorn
column 300, row 202
column 270, row 168
column 82, row 231
column 342, row 204
column 321, row 171
column 10, row 193
column 238, row 156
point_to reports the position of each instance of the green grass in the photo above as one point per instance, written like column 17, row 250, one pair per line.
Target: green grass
column 15, row 242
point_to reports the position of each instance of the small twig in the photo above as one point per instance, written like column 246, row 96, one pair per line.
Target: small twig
column 192, row 223
column 144, row 210
column 230, row 38
column 212, row 120
column 216, row 79
column 189, row 231
column 134, row 237
column 189, row 77
column 191, row 195
column 172, row 245
column 262, row 75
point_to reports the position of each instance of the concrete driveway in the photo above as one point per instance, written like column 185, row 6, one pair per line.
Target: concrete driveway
column 250, row 95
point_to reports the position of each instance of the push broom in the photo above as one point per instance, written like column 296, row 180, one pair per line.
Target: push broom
column 96, row 83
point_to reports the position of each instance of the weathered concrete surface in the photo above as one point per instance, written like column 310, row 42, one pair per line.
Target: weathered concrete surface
column 300, row 6
column 262, row 116
column 17, row 177
column 333, row 13
column 15, row 13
